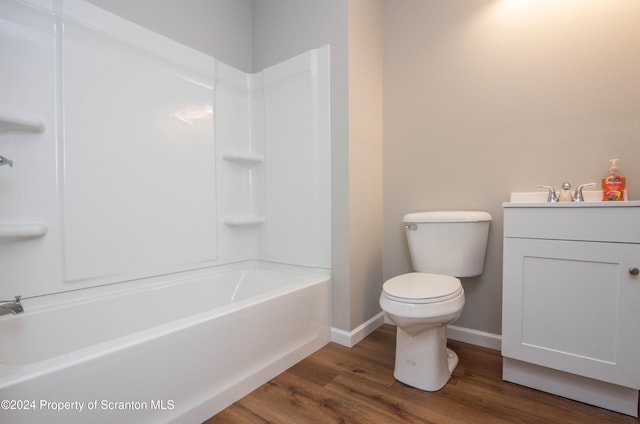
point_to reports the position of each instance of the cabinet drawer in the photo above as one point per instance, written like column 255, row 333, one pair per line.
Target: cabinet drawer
column 607, row 224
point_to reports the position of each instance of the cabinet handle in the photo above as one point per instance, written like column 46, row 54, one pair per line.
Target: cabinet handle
column 634, row 271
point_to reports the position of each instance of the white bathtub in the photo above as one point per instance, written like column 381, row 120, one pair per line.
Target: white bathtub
column 178, row 349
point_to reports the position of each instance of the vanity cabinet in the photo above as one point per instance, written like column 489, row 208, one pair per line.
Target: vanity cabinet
column 571, row 301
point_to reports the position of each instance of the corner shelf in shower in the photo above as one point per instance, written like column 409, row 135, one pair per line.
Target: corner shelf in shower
column 17, row 123
column 245, row 160
column 23, row 230
column 243, row 221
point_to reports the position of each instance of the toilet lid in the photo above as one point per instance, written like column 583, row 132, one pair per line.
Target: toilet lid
column 419, row 287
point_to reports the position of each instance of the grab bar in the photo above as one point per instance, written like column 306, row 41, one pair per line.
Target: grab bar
column 10, row 123
column 23, row 230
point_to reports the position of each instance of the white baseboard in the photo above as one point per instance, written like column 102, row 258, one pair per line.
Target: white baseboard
column 471, row 336
column 475, row 337
column 461, row 334
column 572, row 386
column 351, row 338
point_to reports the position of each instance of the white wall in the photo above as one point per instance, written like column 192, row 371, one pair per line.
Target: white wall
column 219, row 28
column 154, row 158
column 482, row 98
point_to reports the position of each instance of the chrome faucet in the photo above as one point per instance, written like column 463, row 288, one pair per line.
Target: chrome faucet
column 11, row 306
column 578, row 197
column 5, row 161
column 553, row 196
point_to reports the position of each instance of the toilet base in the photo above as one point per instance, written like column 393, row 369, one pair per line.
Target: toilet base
column 423, row 361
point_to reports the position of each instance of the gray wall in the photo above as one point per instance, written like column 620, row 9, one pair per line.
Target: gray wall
column 220, row 28
column 483, row 98
column 365, row 159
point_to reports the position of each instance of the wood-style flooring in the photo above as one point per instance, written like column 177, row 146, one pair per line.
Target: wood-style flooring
column 341, row 385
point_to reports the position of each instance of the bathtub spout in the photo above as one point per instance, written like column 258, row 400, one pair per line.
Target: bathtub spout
column 11, row 306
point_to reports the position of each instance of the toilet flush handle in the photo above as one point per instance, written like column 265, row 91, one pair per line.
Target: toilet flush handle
column 411, row 226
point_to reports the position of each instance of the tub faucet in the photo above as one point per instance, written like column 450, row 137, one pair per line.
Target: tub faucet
column 5, row 161
column 11, row 306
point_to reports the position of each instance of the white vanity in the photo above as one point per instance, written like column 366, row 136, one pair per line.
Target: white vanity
column 571, row 300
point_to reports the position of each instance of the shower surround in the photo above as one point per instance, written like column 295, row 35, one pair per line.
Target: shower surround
column 139, row 163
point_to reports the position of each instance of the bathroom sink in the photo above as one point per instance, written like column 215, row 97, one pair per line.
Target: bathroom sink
column 592, row 198
column 531, row 216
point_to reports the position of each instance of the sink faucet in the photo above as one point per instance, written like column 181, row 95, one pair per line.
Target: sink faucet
column 553, row 196
column 11, row 306
column 578, row 196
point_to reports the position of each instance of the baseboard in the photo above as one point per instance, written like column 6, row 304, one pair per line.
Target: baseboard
column 351, row 338
column 475, row 337
column 583, row 389
column 471, row 336
column 461, row 334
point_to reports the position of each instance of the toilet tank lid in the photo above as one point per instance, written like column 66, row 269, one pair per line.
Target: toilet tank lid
column 447, row 216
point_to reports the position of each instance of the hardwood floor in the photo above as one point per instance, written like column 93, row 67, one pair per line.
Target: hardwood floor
column 341, row 385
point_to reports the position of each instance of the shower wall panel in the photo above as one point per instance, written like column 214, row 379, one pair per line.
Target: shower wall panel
column 139, row 158
column 298, row 160
column 240, row 166
column 136, row 156
column 29, row 236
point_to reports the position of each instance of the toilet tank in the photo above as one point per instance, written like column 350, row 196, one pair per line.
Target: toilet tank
column 448, row 242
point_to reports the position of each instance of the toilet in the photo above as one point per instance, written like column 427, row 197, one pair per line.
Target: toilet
column 443, row 245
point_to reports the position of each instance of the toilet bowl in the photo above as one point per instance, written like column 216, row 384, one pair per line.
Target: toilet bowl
column 422, row 305
column 443, row 246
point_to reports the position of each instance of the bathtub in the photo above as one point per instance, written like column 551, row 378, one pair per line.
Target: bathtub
column 175, row 349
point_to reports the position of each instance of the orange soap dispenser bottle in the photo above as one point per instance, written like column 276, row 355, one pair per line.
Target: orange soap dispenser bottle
column 613, row 184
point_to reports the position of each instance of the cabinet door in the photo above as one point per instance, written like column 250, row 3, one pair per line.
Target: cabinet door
column 628, row 344
column 573, row 306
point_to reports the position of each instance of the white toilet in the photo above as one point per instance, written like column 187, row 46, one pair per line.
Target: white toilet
column 443, row 246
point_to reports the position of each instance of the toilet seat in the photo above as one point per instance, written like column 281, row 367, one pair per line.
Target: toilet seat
column 420, row 287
